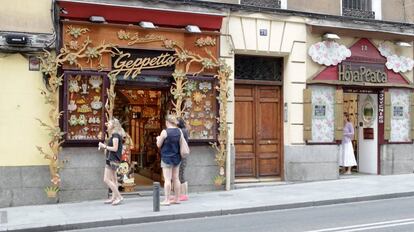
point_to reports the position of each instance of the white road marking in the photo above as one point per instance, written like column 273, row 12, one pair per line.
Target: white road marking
column 368, row 226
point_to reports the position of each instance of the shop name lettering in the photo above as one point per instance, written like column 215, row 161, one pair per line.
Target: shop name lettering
column 133, row 67
column 362, row 75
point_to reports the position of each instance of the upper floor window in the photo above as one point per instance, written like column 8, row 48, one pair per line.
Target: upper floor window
column 262, row 3
column 358, row 9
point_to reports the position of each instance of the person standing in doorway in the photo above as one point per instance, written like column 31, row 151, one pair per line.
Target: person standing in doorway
column 184, row 184
column 169, row 143
column 113, row 158
column 346, row 156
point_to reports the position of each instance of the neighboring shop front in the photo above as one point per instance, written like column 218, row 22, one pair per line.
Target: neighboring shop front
column 371, row 80
column 139, row 75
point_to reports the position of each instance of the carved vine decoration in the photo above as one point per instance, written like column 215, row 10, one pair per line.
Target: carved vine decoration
column 207, row 41
column 69, row 54
column 135, row 39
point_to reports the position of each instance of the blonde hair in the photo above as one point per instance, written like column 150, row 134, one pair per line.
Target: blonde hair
column 171, row 119
column 117, row 127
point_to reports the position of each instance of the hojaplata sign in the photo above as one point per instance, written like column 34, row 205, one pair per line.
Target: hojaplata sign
column 131, row 64
column 362, row 73
column 381, row 107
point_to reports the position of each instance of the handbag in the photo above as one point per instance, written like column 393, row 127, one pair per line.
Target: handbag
column 184, row 149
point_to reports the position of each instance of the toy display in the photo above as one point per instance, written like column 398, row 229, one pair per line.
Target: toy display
column 199, row 109
column 85, row 111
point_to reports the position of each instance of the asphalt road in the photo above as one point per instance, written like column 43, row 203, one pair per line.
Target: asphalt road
column 378, row 216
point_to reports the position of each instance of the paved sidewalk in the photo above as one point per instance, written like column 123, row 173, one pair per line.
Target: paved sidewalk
column 139, row 210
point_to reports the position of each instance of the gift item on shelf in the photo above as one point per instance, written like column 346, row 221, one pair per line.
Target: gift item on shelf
column 73, row 121
column 73, row 84
column 198, row 97
column 84, row 109
column 96, row 104
column 96, row 82
column 205, row 86
column 72, row 106
column 84, row 87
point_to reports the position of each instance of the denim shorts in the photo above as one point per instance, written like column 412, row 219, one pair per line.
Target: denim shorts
column 165, row 165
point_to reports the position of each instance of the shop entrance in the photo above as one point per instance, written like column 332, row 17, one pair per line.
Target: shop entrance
column 363, row 111
column 141, row 110
column 258, row 131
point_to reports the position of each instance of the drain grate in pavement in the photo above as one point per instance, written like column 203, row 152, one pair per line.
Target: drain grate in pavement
column 3, row 217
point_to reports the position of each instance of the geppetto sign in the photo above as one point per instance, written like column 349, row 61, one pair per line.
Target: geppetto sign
column 361, row 73
column 131, row 64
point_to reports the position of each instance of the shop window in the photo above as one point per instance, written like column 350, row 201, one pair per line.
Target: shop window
column 262, row 3
column 258, row 68
column 358, row 9
column 200, row 108
column 83, row 107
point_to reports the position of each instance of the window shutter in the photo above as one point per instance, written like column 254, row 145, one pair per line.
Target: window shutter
column 387, row 116
column 339, row 114
column 412, row 115
column 307, row 114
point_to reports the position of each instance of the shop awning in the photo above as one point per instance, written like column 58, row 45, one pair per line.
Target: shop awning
column 81, row 10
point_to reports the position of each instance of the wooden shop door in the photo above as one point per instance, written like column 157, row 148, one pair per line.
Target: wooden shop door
column 258, row 131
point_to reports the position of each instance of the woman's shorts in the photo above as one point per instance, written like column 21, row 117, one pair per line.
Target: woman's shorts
column 165, row 165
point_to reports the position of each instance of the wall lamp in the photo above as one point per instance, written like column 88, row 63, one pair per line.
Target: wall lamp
column 330, row 36
column 193, row 29
column 403, row 44
column 63, row 11
column 146, row 24
column 97, row 19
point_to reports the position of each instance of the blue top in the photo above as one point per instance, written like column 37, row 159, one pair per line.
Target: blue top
column 114, row 155
column 170, row 149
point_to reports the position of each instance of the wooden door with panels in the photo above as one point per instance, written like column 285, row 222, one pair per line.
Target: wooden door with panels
column 258, row 131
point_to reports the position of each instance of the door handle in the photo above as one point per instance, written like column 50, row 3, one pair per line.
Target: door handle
column 268, row 141
column 244, row 141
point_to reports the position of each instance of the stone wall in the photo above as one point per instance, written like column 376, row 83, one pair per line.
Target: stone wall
column 311, row 162
column 201, row 169
column 397, row 159
column 82, row 174
column 23, row 185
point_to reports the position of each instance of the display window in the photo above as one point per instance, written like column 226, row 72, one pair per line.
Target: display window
column 84, row 107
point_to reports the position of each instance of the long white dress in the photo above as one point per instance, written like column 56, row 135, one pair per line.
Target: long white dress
column 346, row 151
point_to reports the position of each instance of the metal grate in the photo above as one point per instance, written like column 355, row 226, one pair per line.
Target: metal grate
column 358, row 9
column 262, row 3
column 258, row 68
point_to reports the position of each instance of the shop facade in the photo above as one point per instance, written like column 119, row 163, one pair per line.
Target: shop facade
column 148, row 73
column 371, row 80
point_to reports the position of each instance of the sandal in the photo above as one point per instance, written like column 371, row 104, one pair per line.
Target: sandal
column 117, row 201
column 165, row 203
column 109, row 201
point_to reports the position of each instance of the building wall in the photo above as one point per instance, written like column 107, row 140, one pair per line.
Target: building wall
column 316, row 6
column 26, row 16
column 23, row 171
column 398, row 10
column 22, row 103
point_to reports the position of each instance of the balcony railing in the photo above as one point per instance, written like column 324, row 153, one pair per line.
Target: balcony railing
column 262, row 3
column 357, row 13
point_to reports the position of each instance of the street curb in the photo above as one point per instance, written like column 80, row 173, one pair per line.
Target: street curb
column 222, row 212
